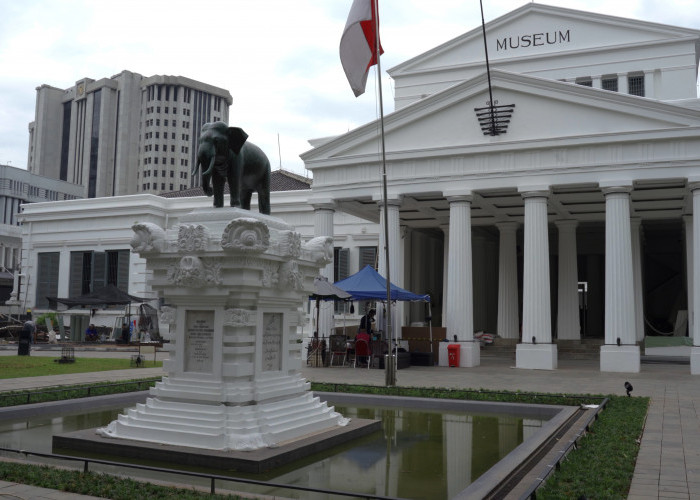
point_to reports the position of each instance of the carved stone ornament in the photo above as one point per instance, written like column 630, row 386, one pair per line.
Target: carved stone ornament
column 148, row 237
column 321, row 249
column 246, row 235
column 289, row 244
column 168, row 314
column 239, row 317
column 194, row 272
column 270, row 276
column 290, row 278
column 192, row 238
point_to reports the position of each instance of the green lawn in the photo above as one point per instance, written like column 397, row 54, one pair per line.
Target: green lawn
column 35, row 366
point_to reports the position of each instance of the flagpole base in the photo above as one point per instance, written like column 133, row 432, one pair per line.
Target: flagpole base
column 389, row 370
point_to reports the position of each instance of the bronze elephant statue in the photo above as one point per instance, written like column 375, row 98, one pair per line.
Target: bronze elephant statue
column 227, row 156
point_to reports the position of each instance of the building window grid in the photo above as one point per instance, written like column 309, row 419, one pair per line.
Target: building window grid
column 635, row 85
column 610, row 83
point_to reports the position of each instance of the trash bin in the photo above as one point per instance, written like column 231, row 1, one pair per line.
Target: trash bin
column 24, row 345
column 453, row 355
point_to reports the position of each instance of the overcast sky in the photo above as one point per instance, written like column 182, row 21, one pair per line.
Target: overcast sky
column 278, row 58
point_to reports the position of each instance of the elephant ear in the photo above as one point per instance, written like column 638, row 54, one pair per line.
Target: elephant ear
column 236, row 139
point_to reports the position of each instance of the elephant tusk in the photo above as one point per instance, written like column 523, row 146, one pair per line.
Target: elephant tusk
column 211, row 166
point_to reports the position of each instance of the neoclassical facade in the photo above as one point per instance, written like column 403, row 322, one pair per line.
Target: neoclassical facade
column 573, row 219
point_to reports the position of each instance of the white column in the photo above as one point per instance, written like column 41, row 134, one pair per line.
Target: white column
column 460, row 300
column 479, row 277
column 508, row 314
column 620, row 352
column 445, row 271
column 695, row 352
column 395, row 261
column 568, row 323
column 689, row 267
column 536, row 350
column 323, row 226
column 637, row 282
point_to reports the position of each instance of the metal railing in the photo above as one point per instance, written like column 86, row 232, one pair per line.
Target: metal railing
column 211, row 477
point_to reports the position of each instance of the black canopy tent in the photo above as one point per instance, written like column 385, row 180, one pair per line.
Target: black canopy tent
column 109, row 295
column 105, row 297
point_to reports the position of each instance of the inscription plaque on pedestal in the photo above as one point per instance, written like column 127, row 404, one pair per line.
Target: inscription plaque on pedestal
column 272, row 342
column 199, row 341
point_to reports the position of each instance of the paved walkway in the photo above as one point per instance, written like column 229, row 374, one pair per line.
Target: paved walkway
column 668, row 465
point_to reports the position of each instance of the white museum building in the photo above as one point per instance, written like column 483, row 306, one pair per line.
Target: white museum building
column 570, row 218
column 590, row 178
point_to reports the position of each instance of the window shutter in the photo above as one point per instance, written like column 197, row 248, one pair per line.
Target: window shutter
column 47, row 284
column 75, row 286
column 123, row 270
column 368, row 257
column 99, row 271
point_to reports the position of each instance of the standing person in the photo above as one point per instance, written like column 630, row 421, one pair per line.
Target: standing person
column 31, row 326
column 366, row 322
column 125, row 333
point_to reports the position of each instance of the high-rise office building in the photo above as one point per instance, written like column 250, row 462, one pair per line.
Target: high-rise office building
column 123, row 135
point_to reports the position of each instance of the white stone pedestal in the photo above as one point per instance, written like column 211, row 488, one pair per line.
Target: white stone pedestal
column 536, row 356
column 469, row 354
column 622, row 359
column 695, row 360
column 233, row 283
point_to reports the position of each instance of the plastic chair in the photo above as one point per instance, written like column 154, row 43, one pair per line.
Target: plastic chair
column 338, row 347
column 362, row 350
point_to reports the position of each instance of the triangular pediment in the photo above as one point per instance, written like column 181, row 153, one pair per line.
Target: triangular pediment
column 544, row 110
column 536, row 30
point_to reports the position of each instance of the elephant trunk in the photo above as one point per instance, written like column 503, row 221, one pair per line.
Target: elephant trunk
column 211, row 165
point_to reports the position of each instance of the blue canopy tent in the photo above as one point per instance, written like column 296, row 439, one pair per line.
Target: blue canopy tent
column 368, row 284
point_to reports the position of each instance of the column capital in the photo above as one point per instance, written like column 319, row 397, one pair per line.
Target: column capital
column 619, row 186
column 457, row 198
column 394, row 200
column 533, row 193
column 564, row 224
column 324, row 205
column 694, row 186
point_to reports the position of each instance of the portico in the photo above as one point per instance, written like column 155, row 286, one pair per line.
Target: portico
column 562, row 198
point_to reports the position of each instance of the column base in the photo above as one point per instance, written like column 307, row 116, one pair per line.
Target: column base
column 469, row 354
column 536, row 356
column 621, row 359
column 695, row 360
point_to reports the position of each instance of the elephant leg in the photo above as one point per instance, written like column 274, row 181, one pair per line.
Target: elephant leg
column 218, row 191
column 205, row 185
column 245, row 199
column 264, row 202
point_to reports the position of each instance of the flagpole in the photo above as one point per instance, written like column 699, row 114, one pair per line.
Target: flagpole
column 488, row 71
column 389, row 365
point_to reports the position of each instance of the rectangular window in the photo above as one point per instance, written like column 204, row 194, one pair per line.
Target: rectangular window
column 341, row 270
column 586, row 82
column 635, row 85
column 47, row 277
column 610, row 84
column 368, row 257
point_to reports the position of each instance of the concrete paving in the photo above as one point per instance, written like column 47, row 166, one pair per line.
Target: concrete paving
column 668, row 465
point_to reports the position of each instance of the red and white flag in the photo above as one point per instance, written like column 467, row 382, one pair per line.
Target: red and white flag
column 358, row 43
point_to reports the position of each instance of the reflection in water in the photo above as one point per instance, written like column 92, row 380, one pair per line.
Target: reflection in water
column 418, row 454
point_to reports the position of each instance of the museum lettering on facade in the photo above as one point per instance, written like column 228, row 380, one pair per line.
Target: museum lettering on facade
column 534, row 40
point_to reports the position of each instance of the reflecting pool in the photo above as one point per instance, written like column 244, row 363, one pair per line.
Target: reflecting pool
column 418, row 453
